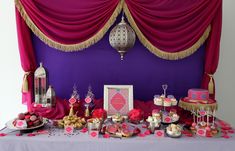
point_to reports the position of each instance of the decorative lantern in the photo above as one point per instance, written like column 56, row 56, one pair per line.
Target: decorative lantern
column 50, row 97
column 122, row 37
column 40, row 85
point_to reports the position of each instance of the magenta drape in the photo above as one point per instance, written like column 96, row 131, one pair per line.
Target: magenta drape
column 69, row 22
column 212, row 50
column 27, row 57
column 173, row 25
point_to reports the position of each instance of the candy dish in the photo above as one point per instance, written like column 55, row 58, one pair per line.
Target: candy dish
column 117, row 118
column 174, row 131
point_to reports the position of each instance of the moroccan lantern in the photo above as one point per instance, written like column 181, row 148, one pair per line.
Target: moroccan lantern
column 50, row 97
column 122, row 37
column 40, row 85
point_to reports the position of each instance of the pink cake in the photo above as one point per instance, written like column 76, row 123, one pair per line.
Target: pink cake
column 198, row 94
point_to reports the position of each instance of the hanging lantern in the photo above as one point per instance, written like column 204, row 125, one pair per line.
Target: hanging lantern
column 122, row 37
column 40, row 85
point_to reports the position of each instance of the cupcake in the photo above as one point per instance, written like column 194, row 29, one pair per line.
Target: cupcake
column 158, row 100
column 173, row 102
column 167, row 102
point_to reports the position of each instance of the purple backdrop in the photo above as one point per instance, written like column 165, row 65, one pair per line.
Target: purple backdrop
column 100, row 64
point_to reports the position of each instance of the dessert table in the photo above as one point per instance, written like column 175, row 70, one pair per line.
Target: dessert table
column 58, row 141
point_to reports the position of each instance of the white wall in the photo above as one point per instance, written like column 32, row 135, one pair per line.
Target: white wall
column 11, row 73
column 10, row 69
column 225, row 75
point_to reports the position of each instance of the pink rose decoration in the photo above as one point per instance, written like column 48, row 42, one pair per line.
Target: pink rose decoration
column 99, row 113
column 135, row 115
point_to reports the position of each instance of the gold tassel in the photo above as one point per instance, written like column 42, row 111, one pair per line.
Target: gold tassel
column 25, row 85
column 71, row 111
column 211, row 84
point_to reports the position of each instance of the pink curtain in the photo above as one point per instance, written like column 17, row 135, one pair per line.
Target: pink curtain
column 212, row 52
column 27, row 58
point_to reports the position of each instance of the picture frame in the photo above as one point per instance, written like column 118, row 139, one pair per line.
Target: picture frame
column 118, row 99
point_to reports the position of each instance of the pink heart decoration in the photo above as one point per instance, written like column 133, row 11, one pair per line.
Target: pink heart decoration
column 31, row 135
column 226, row 136
column 141, row 135
column 189, row 135
column 106, row 136
column 72, row 100
column 84, row 130
column 88, row 100
column 3, row 134
column 147, row 132
column 68, row 129
column 93, row 134
column 18, row 134
column 118, row 101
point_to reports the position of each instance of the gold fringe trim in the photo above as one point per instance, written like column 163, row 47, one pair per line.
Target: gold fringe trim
column 162, row 54
column 194, row 106
column 25, row 85
column 211, row 84
column 68, row 47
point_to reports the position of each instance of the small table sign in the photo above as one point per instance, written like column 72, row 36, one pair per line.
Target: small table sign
column 201, row 132
column 94, row 134
column 159, row 133
column 21, row 124
column 69, row 130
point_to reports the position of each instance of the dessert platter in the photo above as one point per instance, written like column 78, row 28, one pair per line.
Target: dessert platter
column 167, row 116
column 26, row 121
column 170, row 117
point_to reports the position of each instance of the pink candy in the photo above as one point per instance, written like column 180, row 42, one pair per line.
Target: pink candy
column 106, row 136
column 194, row 124
column 31, row 134
column 208, row 128
column 3, row 134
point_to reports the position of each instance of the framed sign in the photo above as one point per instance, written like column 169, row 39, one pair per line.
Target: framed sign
column 118, row 99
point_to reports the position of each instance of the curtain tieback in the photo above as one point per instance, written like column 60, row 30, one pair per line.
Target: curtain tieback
column 25, row 85
column 211, row 84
